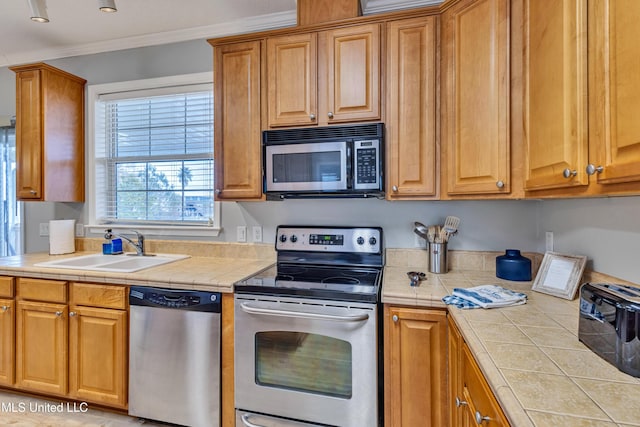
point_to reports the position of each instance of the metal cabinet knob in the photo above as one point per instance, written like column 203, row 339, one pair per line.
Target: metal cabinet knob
column 592, row 169
column 460, row 402
column 568, row 173
column 395, row 318
column 5, row 308
column 480, row 419
column 72, row 313
column 312, row 116
column 218, row 191
column 58, row 313
column 32, row 191
column 395, row 188
column 500, row 184
column 330, row 114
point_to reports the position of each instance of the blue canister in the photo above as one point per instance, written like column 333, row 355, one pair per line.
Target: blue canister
column 513, row 266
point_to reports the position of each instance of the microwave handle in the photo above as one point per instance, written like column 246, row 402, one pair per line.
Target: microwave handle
column 292, row 313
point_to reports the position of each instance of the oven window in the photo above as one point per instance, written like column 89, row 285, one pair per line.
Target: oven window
column 321, row 166
column 305, row 362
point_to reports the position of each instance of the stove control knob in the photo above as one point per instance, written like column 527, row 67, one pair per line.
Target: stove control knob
column 283, row 238
column 360, row 240
column 372, row 241
column 293, row 238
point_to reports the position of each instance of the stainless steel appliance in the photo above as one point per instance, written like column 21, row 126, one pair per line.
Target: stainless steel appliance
column 307, row 339
column 610, row 324
column 337, row 161
column 174, row 356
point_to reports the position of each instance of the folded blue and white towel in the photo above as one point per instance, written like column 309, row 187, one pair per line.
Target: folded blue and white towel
column 484, row 296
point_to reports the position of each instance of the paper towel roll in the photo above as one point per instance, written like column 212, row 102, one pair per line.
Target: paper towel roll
column 62, row 239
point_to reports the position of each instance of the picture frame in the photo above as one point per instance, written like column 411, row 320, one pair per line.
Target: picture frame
column 559, row 274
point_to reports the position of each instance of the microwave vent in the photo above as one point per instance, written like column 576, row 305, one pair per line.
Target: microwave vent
column 284, row 136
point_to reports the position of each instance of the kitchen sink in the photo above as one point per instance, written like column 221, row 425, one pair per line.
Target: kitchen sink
column 124, row 263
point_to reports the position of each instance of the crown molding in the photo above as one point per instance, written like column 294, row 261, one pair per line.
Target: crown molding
column 245, row 25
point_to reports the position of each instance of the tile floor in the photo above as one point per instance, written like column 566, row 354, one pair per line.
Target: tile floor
column 18, row 410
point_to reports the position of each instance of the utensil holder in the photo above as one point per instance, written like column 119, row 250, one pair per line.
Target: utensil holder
column 438, row 258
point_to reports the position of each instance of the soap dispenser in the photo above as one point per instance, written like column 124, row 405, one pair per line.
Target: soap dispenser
column 107, row 245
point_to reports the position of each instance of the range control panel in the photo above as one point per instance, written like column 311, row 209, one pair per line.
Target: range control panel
column 329, row 239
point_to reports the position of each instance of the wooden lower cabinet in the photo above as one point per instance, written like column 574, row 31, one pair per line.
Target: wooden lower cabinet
column 77, row 350
column 41, row 347
column 7, row 348
column 415, row 350
column 471, row 400
column 98, row 355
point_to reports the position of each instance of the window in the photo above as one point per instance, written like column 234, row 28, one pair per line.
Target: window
column 153, row 154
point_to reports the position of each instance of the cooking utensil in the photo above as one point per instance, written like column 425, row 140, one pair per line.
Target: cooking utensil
column 421, row 230
column 416, row 277
column 451, row 224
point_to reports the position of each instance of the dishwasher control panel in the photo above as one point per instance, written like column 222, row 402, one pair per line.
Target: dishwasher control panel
column 175, row 299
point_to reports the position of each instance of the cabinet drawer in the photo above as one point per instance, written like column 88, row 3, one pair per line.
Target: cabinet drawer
column 92, row 295
column 42, row 290
column 6, row 287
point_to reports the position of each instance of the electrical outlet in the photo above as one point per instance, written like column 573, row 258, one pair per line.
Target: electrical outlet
column 257, row 233
column 44, row 228
column 241, row 233
column 548, row 243
column 79, row 230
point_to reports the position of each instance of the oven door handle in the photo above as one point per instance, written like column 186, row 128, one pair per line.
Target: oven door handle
column 246, row 422
column 314, row 316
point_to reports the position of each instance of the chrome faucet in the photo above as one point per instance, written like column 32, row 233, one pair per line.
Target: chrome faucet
column 139, row 245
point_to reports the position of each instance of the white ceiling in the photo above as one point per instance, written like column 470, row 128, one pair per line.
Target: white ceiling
column 77, row 27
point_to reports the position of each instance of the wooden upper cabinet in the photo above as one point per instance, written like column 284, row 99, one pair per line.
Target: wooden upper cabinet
column 411, row 66
column 476, row 98
column 353, row 73
column 292, row 80
column 237, row 130
column 324, row 77
column 49, row 134
column 614, row 91
column 556, row 126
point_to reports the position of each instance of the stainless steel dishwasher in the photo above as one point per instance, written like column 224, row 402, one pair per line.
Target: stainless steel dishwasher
column 174, row 356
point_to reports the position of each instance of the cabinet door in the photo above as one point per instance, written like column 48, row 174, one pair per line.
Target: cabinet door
column 98, row 355
column 7, row 328
column 415, row 363
column 481, row 406
column 456, row 386
column 352, row 87
column 29, row 136
column 475, row 97
column 293, row 80
column 556, row 125
column 614, row 91
column 238, row 165
column 411, row 108
column 41, row 347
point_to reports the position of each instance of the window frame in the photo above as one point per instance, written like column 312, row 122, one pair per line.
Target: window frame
column 93, row 94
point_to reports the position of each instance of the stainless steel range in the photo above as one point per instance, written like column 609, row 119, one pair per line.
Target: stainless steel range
column 307, row 334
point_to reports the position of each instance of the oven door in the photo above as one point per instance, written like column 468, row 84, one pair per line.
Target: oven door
column 308, row 360
column 320, row 166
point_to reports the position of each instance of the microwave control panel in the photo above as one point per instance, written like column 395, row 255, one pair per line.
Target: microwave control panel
column 367, row 164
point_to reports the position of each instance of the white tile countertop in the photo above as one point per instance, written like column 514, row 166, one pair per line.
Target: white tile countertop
column 539, row 371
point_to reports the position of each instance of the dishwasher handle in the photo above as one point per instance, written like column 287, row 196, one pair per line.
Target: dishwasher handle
column 303, row 315
column 246, row 422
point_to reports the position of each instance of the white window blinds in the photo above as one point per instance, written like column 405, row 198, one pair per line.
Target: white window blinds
column 154, row 156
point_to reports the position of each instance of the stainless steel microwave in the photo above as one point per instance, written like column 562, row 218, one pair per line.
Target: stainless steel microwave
column 332, row 161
